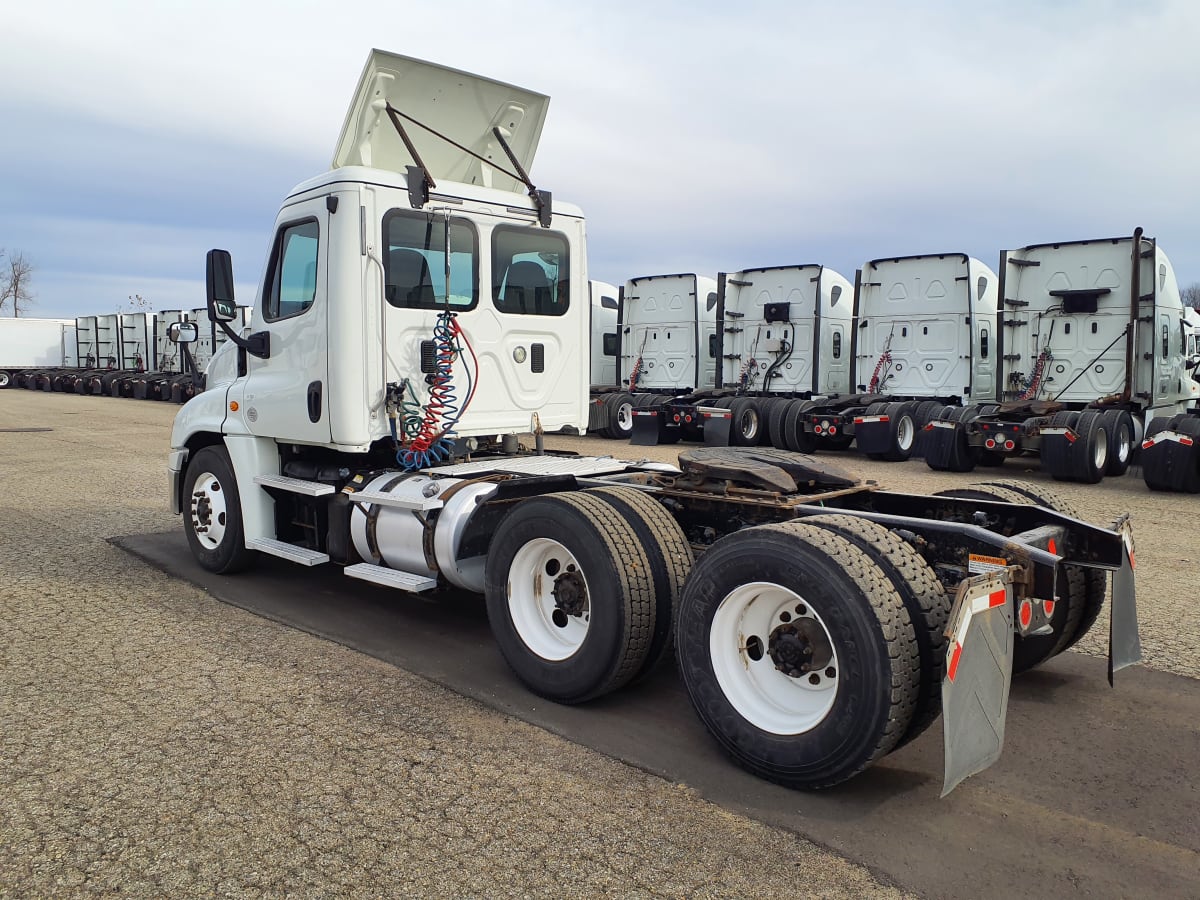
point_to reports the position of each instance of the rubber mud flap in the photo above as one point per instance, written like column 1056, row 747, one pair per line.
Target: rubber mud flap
column 1124, row 644
column 645, row 427
column 979, row 657
column 717, row 425
column 873, row 437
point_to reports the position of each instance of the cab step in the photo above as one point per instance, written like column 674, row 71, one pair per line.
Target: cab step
column 393, row 578
column 295, row 485
column 290, row 552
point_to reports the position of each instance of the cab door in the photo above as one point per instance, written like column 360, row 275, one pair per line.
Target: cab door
column 286, row 395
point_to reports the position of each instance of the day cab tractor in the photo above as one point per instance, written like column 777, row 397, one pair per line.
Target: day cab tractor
column 424, row 307
column 1093, row 338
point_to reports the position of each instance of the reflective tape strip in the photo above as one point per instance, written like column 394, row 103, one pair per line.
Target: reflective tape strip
column 974, row 605
column 1168, row 436
column 864, row 420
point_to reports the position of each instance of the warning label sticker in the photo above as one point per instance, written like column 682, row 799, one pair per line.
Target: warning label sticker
column 981, row 565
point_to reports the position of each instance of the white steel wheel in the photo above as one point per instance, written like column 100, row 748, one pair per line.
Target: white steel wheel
column 755, row 602
column 906, row 433
column 212, row 513
column 624, row 417
column 548, row 599
column 773, row 658
column 1100, row 450
column 570, row 596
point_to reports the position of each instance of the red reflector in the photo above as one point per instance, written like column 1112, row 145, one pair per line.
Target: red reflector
column 1146, row 445
column 1070, row 436
column 952, row 669
column 997, row 598
column 1048, row 606
column 986, row 427
column 1185, row 440
column 1052, row 546
column 1026, row 613
column 929, row 427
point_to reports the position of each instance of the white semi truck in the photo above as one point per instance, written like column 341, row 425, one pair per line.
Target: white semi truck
column 731, row 361
column 1093, row 338
column 423, row 304
column 923, row 338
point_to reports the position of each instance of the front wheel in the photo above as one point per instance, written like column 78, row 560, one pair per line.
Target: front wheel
column 798, row 654
column 212, row 514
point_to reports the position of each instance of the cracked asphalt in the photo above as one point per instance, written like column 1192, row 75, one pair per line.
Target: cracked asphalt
column 154, row 741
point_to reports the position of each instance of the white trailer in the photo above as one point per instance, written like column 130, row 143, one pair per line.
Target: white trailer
column 35, row 345
column 924, row 338
column 423, row 304
column 1093, row 340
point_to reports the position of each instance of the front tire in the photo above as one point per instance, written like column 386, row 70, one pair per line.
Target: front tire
column 797, row 653
column 212, row 514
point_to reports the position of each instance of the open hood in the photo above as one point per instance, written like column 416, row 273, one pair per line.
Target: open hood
column 462, row 106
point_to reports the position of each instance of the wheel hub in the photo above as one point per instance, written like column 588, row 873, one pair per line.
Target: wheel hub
column 202, row 513
column 798, row 648
column 570, row 593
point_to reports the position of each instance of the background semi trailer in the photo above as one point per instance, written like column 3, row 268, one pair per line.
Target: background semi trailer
column 1093, row 339
column 924, row 338
column 423, row 305
column 34, row 344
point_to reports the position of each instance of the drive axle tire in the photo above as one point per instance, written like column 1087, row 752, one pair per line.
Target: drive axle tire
column 795, row 437
column 797, row 653
column 746, row 428
column 924, row 598
column 1119, row 425
column 669, row 555
column 618, row 409
column 775, row 423
column 212, row 513
column 570, row 596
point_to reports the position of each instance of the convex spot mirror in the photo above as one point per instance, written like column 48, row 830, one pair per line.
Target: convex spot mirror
column 182, row 332
column 219, row 282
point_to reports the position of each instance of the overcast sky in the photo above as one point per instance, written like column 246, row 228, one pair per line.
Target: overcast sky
column 696, row 136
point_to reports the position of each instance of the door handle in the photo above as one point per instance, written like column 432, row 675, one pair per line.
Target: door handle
column 314, row 402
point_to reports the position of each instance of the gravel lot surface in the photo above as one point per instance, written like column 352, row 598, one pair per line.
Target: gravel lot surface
column 154, row 741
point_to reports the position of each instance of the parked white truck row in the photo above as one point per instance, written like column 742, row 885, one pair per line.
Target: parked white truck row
column 423, row 304
column 118, row 355
column 1077, row 351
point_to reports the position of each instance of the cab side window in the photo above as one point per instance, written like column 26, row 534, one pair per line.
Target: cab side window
column 530, row 272
column 291, row 284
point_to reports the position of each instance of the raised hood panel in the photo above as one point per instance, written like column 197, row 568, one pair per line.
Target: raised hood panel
column 461, row 106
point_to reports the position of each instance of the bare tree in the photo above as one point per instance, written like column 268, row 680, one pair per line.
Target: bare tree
column 1191, row 295
column 137, row 303
column 16, row 271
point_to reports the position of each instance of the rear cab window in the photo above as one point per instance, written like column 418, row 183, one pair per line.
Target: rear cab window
column 530, row 272
column 414, row 261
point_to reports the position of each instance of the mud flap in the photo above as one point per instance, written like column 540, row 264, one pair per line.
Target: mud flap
column 1124, row 644
column 717, row 425
column 645, row 427
column 979, row 661
column 873, row 434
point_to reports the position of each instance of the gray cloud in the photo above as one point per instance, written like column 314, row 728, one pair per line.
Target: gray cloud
column 694, row 136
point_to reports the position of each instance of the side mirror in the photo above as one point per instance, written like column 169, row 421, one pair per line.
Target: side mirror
column 219, row 282
column 182, row 333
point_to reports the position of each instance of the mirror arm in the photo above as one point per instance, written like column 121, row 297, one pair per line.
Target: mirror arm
column 257, row 344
